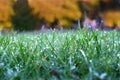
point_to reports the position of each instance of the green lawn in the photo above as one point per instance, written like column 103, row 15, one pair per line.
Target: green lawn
column 80, row 55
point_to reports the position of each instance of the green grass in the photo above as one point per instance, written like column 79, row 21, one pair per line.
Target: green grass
column 81, row 55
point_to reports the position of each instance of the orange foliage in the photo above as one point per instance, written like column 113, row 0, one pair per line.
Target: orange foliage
column 111, row 18
column 50, row 10
column 5, row 12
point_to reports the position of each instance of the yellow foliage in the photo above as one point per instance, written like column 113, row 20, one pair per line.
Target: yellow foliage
column 5, row 12
column 91, row 2
column 111, row 18
column 50, row 10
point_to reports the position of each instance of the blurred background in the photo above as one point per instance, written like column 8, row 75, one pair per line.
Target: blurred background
column 28, row 15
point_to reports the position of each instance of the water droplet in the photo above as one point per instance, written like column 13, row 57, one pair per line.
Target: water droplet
column 118, row 55
column 9, row 72
column 90, row 61
column 1, row 64
column 103, row 75
column 118, row 65
column 52, row 64
column 73, row 67
column 96, row 74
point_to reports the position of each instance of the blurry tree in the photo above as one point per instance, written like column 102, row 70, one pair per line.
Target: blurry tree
column 110, row 12
column 111, row 18
column 6, row 12
column 62, row 11
column 90, row 8
column 107, row 9
column 23, row 19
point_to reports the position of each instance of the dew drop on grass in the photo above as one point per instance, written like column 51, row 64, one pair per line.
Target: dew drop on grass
column 96, row 74
column 52, row 55
column 109, row 49
column 73, row 67
column 9, row 72
column 13, row 48
column 103, row 75
column 52, row 64
column 4, row 53
column 118, row 65
column 1, row 48
column 90, row 61
column 118, row 55
column 17, row 68
column 41, row 50
column 1, row 64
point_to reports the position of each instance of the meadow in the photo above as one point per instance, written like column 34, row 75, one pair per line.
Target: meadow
column 59, row 55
